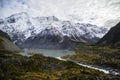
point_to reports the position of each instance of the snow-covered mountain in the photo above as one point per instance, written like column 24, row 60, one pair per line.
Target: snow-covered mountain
column 21, row 27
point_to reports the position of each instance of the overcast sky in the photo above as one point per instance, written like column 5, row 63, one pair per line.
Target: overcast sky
column 98, row 12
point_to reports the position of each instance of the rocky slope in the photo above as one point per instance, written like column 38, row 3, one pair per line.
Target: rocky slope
column 112, row 37
column 6, row 44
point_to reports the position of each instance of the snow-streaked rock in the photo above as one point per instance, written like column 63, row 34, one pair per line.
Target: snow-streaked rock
column 21, row 26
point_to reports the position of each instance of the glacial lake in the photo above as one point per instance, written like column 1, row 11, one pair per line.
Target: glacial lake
column 46, row 52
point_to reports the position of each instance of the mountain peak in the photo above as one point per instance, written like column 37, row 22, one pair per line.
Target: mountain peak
column 21, row 26
column 18, row 15
column 50, row 30
column 48, row 18
column 52, row 18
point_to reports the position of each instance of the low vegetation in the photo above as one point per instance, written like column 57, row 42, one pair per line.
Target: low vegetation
column 105, row 56
column 38, row 67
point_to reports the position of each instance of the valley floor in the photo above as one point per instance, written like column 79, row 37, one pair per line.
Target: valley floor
column 107, row 57
column 14, row 66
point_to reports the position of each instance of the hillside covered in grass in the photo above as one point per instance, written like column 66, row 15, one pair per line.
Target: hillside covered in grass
column 37, row 67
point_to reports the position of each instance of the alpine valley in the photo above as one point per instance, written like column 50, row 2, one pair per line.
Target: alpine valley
column 59, row 40
column 49, row 32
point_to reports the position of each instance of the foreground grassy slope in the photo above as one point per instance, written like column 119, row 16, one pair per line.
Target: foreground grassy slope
column 37, row 67
column 105, row 56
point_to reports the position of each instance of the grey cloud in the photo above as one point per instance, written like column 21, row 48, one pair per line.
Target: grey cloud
column 98, row 12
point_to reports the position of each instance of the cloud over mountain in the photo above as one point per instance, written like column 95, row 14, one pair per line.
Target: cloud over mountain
column 96, row 12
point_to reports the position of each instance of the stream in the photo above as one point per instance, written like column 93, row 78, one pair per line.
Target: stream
column 104, row 70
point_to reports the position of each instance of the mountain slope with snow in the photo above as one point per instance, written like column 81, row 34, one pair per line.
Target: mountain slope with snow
column 21, row 27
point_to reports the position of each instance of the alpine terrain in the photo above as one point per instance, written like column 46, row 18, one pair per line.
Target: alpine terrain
column 38, row 32
column 112, row 37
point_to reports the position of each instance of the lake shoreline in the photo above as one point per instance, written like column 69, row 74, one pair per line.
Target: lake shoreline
column 47, row 52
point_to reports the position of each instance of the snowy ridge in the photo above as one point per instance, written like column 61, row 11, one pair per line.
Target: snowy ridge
column 21, row 26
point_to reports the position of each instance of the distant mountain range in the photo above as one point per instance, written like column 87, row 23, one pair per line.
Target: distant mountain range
column 39, row 32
